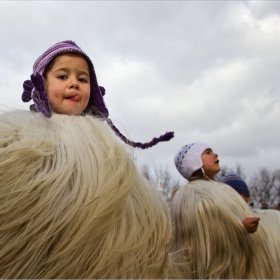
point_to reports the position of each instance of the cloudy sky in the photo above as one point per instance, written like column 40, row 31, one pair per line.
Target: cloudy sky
column 206, row 70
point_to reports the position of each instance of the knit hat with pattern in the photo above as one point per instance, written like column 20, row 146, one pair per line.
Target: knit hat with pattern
column 35, row 90
column 188, row 159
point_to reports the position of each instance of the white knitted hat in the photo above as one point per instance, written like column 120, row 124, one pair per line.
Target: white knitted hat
column 188, row 159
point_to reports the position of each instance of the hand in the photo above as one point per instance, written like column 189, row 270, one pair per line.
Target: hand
column 251, row 224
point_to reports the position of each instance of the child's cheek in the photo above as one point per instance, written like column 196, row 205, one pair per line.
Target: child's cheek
column 55, row 92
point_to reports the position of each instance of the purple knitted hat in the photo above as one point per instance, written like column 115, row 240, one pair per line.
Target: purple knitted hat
column 35, row 90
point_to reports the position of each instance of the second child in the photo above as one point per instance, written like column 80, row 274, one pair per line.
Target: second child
column 213, row 225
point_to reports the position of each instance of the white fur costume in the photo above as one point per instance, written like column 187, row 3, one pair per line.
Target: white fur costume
column 270, row 228
column 208, row 228
column 72, row 203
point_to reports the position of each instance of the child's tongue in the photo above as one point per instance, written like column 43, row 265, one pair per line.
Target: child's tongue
column 74, row 98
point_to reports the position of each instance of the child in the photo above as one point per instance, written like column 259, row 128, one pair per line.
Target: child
column 199, row 162
column 72, row 202
column 209, row 229
column 235, row 181
column 48, row 76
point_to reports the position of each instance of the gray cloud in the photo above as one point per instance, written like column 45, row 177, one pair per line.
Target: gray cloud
column 207, row 70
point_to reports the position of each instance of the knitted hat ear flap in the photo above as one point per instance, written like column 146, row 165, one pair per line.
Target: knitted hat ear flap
column 35, row 89
column 204, row 174
column 93, row 108
column 166, row 137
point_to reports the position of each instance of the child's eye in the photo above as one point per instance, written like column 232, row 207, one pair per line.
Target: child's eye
column 62, row 77
column 83, row 80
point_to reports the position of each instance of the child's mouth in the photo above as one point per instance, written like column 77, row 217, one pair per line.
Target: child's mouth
column 74, row 98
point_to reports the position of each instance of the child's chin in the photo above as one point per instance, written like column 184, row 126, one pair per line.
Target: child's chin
column 68, row 112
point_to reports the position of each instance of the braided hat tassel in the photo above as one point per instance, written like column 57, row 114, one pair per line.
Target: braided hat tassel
column 165, row 137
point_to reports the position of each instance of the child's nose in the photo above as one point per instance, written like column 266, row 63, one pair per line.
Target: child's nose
column 74, row 82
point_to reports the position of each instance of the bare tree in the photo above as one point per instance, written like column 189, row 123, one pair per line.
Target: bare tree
column 146, row 172
column 277, row 177
column 224, row 170
column 264, row 185
column 265, row 188
column 162, row 179
column 238, row 169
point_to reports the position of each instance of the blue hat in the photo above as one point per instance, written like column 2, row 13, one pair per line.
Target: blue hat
column 232, row 179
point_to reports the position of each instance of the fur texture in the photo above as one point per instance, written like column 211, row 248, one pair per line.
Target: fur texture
column 73, row 205
column 209, row 239
column 270, row 229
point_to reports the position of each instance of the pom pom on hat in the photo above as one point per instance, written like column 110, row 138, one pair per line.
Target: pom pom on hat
column 234, row 180
column 188, row 159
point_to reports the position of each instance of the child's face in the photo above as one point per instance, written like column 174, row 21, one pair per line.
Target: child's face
column 210, row 163
column 68, row 84
column 245, row 197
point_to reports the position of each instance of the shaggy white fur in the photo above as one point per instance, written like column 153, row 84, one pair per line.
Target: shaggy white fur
column 210, row 241
column 270, row 228
column 73, row 205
